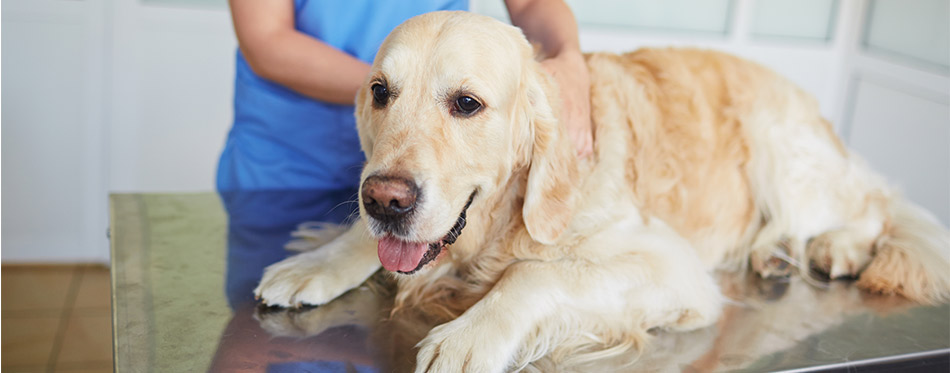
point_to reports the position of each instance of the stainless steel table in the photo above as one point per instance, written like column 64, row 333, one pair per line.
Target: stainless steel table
column 183, row 268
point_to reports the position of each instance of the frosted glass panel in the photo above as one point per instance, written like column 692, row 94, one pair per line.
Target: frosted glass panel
column 802, row 19
column 711, row 16
column 493, row 8
column 189, row 3
column 678, row 15
column 913, row 29
column 907, row 138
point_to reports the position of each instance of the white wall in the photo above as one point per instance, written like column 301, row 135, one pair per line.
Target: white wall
column 126, row 96
column 53, row 118
column 172, row 85
column 105, row 96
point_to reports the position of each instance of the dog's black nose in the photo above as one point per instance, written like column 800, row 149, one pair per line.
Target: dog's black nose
column 389, row 198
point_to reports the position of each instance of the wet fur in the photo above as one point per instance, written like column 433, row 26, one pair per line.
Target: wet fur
column 702, row 161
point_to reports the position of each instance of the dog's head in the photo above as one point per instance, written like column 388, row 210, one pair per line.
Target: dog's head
column 455, row 105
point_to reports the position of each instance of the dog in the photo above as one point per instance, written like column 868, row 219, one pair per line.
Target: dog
column 473, row 196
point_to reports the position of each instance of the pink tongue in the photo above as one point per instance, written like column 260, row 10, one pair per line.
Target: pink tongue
column 398, row 255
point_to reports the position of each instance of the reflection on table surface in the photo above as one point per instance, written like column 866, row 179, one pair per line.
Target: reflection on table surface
column 179, row 263
column 772, row 325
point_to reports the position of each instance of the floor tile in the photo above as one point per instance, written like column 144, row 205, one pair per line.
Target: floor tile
column 87, row 339
column 94, row 289
column 100, row 367
column 35, row 288
column 25, row 369
column 27, row 341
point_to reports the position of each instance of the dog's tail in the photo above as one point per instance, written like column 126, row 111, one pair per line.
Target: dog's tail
column 912, row 256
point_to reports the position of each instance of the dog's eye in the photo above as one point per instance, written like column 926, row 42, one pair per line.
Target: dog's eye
column 380, row 94
column 467, row 105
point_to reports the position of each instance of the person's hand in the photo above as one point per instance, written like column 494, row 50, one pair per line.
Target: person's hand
column 570, row 72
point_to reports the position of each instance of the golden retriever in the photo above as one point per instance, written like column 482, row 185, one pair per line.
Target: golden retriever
column 703, row 161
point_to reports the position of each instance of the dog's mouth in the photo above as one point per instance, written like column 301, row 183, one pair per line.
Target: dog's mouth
column 405, row 257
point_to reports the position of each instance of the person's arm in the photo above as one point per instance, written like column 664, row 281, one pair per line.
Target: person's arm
column 277, row 52
column 551, row 24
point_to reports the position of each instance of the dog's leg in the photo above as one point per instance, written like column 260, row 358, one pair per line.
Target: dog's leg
column 539, row 306
column 321, row 275
column 820, row 204
column 835, row 237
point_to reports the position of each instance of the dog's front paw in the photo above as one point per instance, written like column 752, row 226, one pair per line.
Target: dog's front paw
column 309, row 278
column 460, row 346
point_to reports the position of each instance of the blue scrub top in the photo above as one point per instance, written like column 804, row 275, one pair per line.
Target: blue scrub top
column 283, row 140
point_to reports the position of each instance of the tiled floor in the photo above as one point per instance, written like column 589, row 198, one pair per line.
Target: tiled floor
column 56, row 318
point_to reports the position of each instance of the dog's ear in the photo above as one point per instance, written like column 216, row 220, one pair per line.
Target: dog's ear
column 550, row 190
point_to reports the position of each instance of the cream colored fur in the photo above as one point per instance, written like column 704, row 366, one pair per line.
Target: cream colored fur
column 702, row 161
